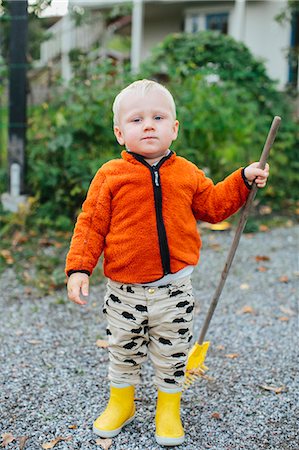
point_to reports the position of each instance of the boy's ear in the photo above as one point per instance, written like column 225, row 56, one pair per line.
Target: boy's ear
column 119, row 135
column 176, row 129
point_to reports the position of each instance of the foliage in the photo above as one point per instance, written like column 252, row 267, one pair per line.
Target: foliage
column 36, row 31
column 212, row 54
column 226, row 103
column 69, row 139
column 224, row 122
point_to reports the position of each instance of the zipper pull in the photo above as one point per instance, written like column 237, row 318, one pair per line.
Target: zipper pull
column 156, row 178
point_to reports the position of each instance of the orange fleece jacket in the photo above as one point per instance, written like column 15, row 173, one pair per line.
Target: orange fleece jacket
column 119, row 217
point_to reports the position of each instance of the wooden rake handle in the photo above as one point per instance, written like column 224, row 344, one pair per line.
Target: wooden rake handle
column 241, row 225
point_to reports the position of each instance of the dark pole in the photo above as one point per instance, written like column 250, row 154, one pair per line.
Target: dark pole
column 17, row 91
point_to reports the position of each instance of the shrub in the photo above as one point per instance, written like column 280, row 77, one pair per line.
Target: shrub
column 69, row 139
column 226, row 103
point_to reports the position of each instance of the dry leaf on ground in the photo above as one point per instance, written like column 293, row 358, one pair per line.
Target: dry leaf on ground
column 34, row 341
column 7, row 439
column 262, row 258
column 55, row 441
column 277, row 390
column 263, row 228
column 284, row 279
column 216, row 415
column 262, row 269
column 244, row 286
column 222, row 226
column 247, row 310
column 104, row 443
column 19, row 238
column 284, row 319
column 7, row 256
column 22, row 441
column 265, row 210
column 232, row 355
column 287, row 310
column 101, row 343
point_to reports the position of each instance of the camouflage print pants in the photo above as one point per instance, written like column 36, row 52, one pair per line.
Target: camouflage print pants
column 149, row 321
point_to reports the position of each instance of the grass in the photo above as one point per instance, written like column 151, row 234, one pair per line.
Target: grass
column 38, row 259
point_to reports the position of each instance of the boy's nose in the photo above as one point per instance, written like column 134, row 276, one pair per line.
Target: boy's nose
column 149, row 124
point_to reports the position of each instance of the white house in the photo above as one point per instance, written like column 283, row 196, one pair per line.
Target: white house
column 251, row 21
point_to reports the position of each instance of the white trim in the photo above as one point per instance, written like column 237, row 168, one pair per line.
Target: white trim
column 136, row 35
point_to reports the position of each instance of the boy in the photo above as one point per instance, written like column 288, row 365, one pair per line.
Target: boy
column 141, row 210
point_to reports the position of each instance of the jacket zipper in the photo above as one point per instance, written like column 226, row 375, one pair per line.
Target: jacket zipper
column 163, row 244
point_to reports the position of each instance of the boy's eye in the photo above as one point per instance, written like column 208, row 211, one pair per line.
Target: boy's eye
column 137, row 119
column 158, row 118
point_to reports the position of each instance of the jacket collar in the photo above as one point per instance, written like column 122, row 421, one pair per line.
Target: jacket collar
column 134, row 158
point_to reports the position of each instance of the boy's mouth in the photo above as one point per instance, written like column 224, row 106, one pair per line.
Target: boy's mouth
column 148, row 137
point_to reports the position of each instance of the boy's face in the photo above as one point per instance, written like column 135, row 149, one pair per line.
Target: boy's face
column 146, row 124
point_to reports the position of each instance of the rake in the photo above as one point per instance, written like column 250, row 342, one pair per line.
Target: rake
column 196, row 359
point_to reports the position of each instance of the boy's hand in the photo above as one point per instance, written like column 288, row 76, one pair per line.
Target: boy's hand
column 78, row 282
column 252, row 173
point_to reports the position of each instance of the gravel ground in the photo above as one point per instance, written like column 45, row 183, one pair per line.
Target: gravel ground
column 54, row 377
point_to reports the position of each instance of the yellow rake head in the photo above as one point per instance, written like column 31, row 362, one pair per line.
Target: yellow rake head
column 195, row 365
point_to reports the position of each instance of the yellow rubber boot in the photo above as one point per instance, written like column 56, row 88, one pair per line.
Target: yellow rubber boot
column 169, row 430
column 119, row 412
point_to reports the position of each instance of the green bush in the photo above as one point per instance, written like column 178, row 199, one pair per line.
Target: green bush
column 226, row 103
column 182, row 55
column 69, row 139
column 224, row 122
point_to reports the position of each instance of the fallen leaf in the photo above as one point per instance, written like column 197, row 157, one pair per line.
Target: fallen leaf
column 289, row 223
column 7, row 256
column 222, row 226
column 263, row 228
column 45, row 242
column 264, row 210
column 284, row 279
column 215, row 246
column 101, row 343
column 286, row 310
column 262, row 269
column 198, row 371
column 216, row 415
column 284, row 319
column 73, row 427
column 34, row 341
column 247, row 310
column 277, row 390
column 22, row 441
column 55, row 441
column 28, row 290
column 244, row 286
column 232, row 355
column 104, row 443
column 58, row 244
column 262, row 258
column 7, row 439
column 220, row 347
column 18, row 238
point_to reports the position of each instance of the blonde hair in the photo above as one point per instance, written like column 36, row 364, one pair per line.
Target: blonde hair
column 142, row 87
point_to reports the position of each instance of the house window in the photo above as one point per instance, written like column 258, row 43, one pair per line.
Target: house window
column 218, row 22
column 213, row 21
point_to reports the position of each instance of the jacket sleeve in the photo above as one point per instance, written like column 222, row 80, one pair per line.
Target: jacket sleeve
column 91, row 228
column 214, row 203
